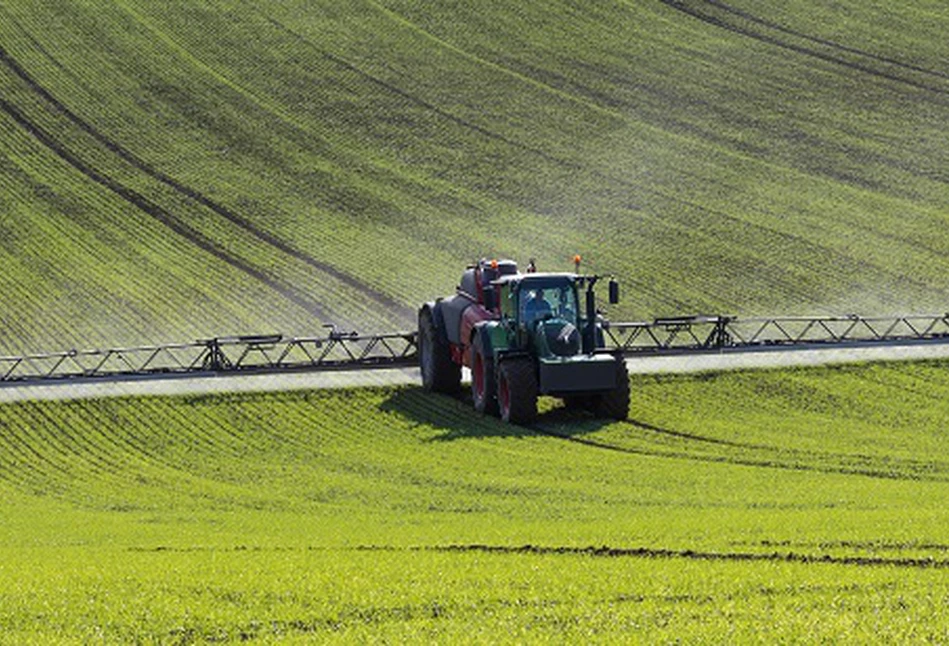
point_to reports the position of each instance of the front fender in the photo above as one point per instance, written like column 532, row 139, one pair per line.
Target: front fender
column 493, row 337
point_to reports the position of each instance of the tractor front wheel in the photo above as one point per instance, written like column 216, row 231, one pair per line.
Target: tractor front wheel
column 615, row 404
column 517, row 391
column 577, row 402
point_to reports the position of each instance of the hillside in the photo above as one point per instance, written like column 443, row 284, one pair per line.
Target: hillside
column 219, row 167
column 767, row 506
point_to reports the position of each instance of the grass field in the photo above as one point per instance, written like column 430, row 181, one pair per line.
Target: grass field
column 758, row 506
column 175, row 170
column 220, row 167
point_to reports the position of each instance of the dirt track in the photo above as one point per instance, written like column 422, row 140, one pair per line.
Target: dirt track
column 211, row 383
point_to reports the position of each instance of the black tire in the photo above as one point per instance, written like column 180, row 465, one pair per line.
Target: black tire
column 577, row 402
column 517, row 391
column 615, row 404
column 483, row 387
column 439, row 373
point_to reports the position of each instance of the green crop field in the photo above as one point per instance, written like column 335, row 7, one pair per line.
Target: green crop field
column 170, row 170
column 766, row 506
column 231, row 166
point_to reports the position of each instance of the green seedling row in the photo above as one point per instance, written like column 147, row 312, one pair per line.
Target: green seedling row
column 716, row 513
column 174, row 171
column 303, row 163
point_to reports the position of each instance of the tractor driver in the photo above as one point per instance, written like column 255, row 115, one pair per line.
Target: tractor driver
column 537, row 307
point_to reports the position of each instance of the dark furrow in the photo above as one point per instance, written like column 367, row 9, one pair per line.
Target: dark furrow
column 564, row 163
column 381, row 298
column 568, row 164
column 867, row 461
column 853, row 545
column 431, row 107
column 681, row 6
column 824, row 41
column 602, row 551
column 202, row 199
column 161, row 215
column 657, row 553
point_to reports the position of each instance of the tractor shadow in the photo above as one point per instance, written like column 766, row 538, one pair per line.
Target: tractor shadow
column 454, row 418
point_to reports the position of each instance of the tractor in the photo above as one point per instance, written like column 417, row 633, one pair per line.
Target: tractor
column 523, row 335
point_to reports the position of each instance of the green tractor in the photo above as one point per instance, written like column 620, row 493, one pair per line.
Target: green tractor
column 523, row 335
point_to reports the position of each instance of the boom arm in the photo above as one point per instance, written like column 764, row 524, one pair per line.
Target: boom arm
column 343, row 350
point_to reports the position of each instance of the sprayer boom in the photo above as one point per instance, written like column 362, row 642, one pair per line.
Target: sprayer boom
column 348, row 350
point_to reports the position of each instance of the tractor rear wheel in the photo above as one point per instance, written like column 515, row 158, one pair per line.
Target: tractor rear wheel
column 439, row 373
column 615, row 404
column 483, row 387
column 517, row 391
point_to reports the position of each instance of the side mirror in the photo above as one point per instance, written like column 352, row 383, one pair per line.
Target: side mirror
column 614, row 292
column 490, row 298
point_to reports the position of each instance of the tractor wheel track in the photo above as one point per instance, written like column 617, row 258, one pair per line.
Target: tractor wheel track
column 718, row 14
column 595, row 551
column 243, row 223
column 160, row 214
column 824, row 41
column 560, row 162
column 383, row 300
column 855, row 461
column 427, row 105
column 914, row 471
column 697, row 555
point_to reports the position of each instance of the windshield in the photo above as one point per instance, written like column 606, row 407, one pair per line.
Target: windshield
column 558, row 299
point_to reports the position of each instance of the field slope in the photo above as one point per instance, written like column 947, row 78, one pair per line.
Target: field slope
column 769, row 506
column 219, row 167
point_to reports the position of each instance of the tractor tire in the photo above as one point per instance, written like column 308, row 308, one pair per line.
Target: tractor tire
column 517, row 391
column 483, row 383
column 615, row 404
column 577, row 402
column 439, row 373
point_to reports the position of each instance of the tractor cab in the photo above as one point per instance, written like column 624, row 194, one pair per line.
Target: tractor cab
column 542, row 312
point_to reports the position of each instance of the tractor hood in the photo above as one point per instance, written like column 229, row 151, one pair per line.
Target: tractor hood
column 557, row 337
